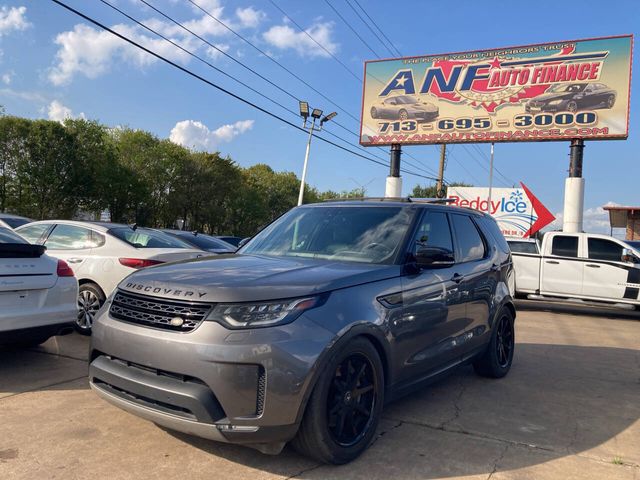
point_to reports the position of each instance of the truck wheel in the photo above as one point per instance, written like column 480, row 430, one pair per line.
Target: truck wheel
column 496, row 361
column 90, row 299
column 345, row 406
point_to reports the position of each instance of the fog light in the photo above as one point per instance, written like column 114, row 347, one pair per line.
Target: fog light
column 237, row 428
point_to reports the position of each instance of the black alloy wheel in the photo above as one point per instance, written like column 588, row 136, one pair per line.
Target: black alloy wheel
column 351, row 400
column 505, row 341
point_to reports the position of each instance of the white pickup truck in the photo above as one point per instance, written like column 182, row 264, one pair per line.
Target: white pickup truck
column 581, row 266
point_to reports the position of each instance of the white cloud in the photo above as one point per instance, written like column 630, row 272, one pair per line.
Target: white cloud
column 59, row 112
column 196, row 135
column 215, row 53
column 250, row 17
column 7, row 77
column 91, row 52
column 13, row 19
column 285, row 37
column 594, row 220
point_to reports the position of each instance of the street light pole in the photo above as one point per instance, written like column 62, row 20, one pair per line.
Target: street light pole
column 315, row 114
column 306, row 161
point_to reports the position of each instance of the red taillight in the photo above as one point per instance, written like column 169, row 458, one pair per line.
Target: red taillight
column 63, row 269
column 138, row 262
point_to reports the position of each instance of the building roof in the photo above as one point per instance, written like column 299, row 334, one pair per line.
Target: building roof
column 618, row 215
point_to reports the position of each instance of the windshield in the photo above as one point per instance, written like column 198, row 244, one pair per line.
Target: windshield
column 15, row 222
column 407, row 100
column 8, row 236
column 147, row 238
column 357, row 234
column 568, row 88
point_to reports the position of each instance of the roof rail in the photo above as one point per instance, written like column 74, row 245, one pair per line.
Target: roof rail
column 393, row 199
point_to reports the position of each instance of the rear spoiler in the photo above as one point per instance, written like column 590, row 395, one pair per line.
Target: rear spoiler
column 21, row 250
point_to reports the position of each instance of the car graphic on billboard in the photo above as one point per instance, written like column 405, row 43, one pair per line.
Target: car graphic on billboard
column 404, row 107
column 573, row 97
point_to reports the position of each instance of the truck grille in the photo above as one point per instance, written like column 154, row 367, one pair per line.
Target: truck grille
column 158, row 313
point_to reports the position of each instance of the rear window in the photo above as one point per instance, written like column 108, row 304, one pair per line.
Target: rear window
column 205, row 242
column 470, row 243
column 15, row 222
column 8, row 236
column 490, row 227
column 523, row 247
column 147, row 238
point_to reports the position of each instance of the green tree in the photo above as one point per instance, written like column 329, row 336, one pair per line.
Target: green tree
column 430, row 191
column 13, row 139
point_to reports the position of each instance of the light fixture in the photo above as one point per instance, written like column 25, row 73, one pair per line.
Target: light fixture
column 328, row 117
column 304, row 110
column 316, row 113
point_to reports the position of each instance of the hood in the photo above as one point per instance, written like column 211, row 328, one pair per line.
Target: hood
column 245, row 278
column 546, row 97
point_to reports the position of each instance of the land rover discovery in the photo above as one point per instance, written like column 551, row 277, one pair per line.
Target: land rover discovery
column 304, row 334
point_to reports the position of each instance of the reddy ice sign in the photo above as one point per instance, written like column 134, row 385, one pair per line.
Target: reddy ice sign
column 518, row 212
column 555, row 91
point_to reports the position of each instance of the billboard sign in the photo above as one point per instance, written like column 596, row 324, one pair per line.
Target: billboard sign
column 554, row 91
column 518, row 212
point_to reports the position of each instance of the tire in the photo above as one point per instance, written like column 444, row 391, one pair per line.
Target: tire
column 338, row 425
column 403, row 115
column 611, row 101
column 374, row 112
column 496, row 361
column 572, row 106
column 90, row 299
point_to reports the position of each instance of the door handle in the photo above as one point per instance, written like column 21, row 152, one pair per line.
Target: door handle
column 552, row 262
column 74, row 260
column 457, row 277
column 592, row 265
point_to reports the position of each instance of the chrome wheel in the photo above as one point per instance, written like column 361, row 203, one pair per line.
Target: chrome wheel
column 374, row 112
column 504, row 342
column 572, row 107
column 352, row 398
column 610, row 101
column 88, row 306
column 403, row 115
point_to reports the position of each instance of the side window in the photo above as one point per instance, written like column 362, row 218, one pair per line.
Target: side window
column 523, row 247
column 471, row 245
column 33, row 232
column 434, row 231
column 69, row 237
column 601, row 249
column 489, row 225
column 564, row 246
column 97, row 239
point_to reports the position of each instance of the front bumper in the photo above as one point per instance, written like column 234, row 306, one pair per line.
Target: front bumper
column 426, row 116
column 245, row 387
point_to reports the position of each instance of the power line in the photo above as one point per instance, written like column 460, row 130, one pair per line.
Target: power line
column 210, row 83
column 352, row 29
column 357, row 77
column 507, row 179
column 378, row 28
column 375, row 34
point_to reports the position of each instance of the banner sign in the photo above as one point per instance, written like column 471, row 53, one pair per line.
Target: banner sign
column 518, row 212
column 553, row 91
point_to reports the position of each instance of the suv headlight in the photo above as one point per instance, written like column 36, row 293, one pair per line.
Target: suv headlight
column 262, row 314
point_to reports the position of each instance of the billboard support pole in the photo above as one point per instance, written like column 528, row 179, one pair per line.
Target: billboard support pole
column 490, row 179
column 574, row 189
column 440, row 182
column 394, row 180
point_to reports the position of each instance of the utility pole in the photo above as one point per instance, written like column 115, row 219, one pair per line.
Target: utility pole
column 440, row 183
column 574, row 189
column 490, row 180
column 394, row 180
column 306, row 161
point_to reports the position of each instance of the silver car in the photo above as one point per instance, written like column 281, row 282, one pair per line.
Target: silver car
column 328, row 313
column 404, row 107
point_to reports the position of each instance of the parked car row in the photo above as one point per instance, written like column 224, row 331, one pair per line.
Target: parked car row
column 100, row 255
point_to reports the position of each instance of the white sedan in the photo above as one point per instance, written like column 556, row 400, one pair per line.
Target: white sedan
column 103, row 254
column 37, row 293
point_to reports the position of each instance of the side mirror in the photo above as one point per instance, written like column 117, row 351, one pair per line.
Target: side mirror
column 243, row 242
column 628, row 256
column 434, row 257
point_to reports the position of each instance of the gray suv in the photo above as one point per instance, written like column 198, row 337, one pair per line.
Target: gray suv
column 303, row 335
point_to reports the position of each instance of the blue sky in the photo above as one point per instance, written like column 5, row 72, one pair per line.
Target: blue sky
column 55, row 65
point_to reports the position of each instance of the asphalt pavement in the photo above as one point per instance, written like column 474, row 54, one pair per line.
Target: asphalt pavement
column 569, row 409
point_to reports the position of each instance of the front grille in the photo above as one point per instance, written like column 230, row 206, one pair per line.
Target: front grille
column 536, row 104
column 157, row 313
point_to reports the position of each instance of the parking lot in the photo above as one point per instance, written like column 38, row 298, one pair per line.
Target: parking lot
column 570, row 408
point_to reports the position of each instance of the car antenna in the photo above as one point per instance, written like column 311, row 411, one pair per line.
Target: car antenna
column 134, row 226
